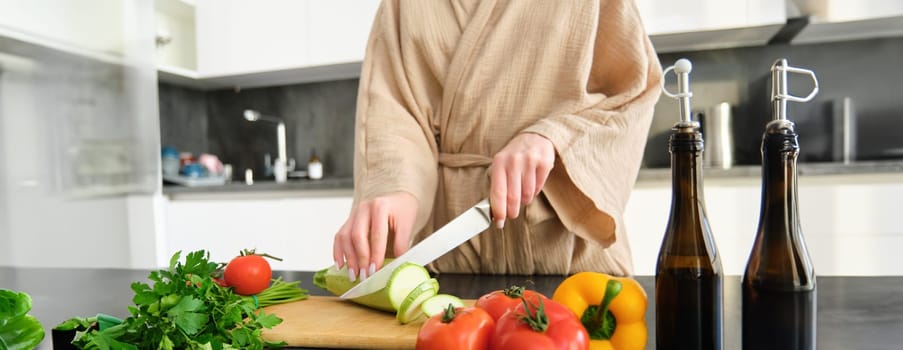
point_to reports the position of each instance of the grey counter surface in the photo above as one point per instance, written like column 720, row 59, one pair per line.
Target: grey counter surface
column 344, row 186
column 804, row 169
column 853, row 312
column 325, row 186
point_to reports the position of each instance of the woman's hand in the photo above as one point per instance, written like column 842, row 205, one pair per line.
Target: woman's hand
column 361, row 242
column 519, row 170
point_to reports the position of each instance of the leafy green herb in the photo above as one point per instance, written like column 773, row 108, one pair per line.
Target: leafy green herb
column 185, row 308
column 18, row 330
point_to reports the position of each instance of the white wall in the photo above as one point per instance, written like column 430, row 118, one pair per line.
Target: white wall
column 850, row 223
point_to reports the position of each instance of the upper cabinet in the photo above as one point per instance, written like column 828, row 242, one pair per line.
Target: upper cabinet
column 833, row 20
column 175, row 35
column 101, row 33
column 248, row 43
column 338, row 30
column 266, row 42
column 711, row 24
column 241, row 36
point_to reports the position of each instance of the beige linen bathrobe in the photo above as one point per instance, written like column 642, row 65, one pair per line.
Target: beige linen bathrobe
column 446, row 84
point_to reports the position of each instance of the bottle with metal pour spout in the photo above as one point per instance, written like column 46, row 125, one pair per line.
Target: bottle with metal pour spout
column 779, row 297
column 688, row 276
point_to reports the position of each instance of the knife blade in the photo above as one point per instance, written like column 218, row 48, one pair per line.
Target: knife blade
column 464, row 227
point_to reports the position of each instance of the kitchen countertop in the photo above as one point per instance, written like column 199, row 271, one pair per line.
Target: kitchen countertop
column 804, row 170
column 853, row 312
column 325, row 186
column 344, row 186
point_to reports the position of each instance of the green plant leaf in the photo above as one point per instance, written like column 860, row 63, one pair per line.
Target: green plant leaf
column 13, row 304
column 22, row 333
column 187, row 304
column 191, row 322
column 268, row 320
column 144, row 295
column 107, row 341
column 174, row 260
column 241, row 337
column 165, row 344
column 76, row 323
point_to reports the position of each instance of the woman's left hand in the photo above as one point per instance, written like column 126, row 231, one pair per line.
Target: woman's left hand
column 518, row 172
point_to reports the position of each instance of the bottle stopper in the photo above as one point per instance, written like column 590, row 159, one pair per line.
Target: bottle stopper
column 779, row 94
column 681, row 68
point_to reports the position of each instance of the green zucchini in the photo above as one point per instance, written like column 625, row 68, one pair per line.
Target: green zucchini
column 404, row 279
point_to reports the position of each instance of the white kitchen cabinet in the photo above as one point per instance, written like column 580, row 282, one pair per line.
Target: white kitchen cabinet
column 711, row 24
column 851, row 223
column 339, row 30
column 272, row 42
column 63, row 23
column 175, row 34
column 240, row 37
column 834, row 20
column 299, row 230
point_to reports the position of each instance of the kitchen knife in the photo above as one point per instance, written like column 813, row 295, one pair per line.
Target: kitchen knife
column 462, row 228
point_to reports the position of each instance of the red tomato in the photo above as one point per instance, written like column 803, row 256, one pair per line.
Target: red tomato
column 464, row 329
column 559, row 330
column 497, row 303
column 248, row 274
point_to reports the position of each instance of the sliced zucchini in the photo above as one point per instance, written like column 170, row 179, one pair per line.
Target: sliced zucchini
column 402, row 281
column 438, row 303
column 409, row 310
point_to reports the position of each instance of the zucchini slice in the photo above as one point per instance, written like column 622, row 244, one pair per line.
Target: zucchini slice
column 438, row 303
column 410, row 310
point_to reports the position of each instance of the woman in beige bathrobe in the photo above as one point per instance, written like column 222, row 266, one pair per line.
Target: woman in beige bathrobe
column 542, row 106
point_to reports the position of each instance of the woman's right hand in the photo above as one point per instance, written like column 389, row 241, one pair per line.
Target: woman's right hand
column 361, row 242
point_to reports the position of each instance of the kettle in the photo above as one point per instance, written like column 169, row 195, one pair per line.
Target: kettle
column 719, row 139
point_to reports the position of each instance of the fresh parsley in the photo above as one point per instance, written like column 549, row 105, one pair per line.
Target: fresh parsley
column 184, row 308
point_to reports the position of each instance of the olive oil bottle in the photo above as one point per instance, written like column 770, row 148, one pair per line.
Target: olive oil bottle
column 779, row 299
column 688, row 277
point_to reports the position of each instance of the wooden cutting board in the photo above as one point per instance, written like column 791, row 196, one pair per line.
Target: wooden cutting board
column 328, row 322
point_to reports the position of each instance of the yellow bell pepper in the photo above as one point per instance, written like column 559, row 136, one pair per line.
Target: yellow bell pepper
column 623, row 304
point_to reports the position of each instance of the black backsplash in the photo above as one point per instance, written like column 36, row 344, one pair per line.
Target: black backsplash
column 867, row 71
column 183, row 119
column 317, row 116
column 321, row 115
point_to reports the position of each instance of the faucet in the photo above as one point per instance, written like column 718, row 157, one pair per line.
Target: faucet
column 280, row 167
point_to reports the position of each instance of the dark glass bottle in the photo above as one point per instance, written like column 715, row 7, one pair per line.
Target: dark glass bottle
column 688, row 278
column 779, row 294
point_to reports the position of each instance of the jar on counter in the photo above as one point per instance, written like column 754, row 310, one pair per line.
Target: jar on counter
column 170, row 161
column 314, row 167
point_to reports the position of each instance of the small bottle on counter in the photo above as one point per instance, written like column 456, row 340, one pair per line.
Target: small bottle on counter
column 688, row 275
column 314, row 166
column 779, row 281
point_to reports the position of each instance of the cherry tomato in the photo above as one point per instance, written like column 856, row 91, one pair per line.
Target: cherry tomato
column 542, row 325
column 497, row 303
column 248, row 274
column 457, row 328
